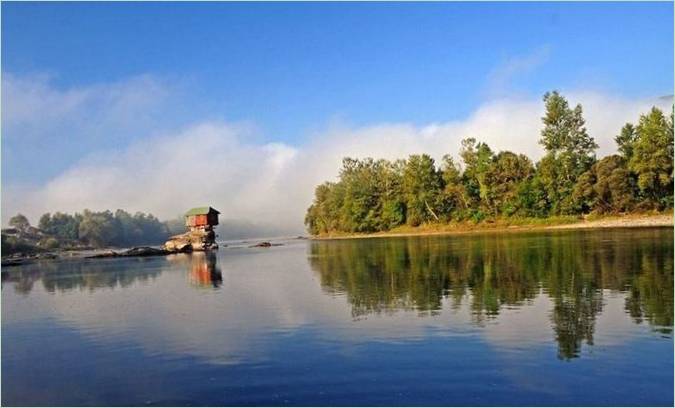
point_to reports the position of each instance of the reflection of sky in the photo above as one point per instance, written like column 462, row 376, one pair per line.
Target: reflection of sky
column 271, row 291
column 270, row 308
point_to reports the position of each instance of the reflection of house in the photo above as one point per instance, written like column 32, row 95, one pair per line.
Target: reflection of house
column 203, row 271
column 200, row 221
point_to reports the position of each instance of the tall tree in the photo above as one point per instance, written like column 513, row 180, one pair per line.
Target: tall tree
column 453, row 199
column 625, row 140
column 652, row 158
column 421, row 189
column 477, row 158
column 570, row 151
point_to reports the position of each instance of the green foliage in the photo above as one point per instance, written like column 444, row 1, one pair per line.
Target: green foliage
column 50, row 243
column 652, row 158
column 380, row 195
column 570, row 151
column 422, row 186
column 60, row 225
column 625, row 140
column 98, row 228
column 101, row 229
column 139, row 229
column 606, row 187
column 477, row 159
column 452, row 202
column 532, row 198
column 503, row 179
column 13, row 245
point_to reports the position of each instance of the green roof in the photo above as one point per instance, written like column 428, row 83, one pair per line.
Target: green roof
column 201, row 210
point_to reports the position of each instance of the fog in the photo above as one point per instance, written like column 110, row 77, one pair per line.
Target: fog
column 265, row 185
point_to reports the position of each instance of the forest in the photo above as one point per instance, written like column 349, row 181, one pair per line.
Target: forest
column 378, row 195
column 95, row 229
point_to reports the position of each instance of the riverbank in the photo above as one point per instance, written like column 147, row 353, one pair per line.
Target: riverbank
column 519, row 224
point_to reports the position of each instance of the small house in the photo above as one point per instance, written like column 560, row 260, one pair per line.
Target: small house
column 201, row 235
column 201, row 217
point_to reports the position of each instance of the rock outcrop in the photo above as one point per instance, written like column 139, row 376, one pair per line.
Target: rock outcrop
column 195, row 240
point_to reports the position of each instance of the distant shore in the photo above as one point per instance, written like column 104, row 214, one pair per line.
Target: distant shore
column 500, row 226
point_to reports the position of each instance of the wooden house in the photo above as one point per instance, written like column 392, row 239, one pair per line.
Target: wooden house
column 201, row 217
column 201, row 235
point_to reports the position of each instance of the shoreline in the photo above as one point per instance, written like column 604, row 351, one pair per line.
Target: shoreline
column 610, row 221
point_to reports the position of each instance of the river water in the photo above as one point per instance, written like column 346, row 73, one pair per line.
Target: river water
column 548, row 318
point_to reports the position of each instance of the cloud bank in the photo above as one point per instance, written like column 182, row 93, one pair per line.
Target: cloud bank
column 225, row 165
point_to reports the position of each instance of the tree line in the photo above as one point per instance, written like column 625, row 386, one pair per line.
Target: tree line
column 378, row 195
column 92, row 228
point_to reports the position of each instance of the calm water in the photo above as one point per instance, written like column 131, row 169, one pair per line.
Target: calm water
column 558, row 318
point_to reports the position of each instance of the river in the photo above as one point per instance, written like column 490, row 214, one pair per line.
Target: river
column 542, row 318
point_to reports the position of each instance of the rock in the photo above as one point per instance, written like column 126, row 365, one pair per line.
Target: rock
column 178, row 245
column 145, row 251
column 264, row 244
column 194, row 240
column 138, row 251
column 106, row 254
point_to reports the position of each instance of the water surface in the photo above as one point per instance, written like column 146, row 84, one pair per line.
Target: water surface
column 553, row 318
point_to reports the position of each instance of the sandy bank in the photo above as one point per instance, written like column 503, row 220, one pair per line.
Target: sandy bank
column 619, row 221
column 627, row 221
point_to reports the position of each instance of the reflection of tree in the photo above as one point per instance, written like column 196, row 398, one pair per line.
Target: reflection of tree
column 574, row 321
column 489, row 271
column 651, row 292
column 78, row 274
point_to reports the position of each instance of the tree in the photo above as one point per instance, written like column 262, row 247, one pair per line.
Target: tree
column 363, row 184
column 477, row 159
column 393, row 202
column 98, row 229
column 421, row 189
column 453, row 199
column 532, row 198
column 138, row 229
column 652, row 158
column 570, row 151
column 323, row 215
column 379, row 195
column 19, row 222
column 625, row 140
column 63, row 226
column 502, row 180
column 607, row 186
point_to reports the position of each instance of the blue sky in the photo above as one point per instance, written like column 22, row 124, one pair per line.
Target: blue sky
column 290, row 71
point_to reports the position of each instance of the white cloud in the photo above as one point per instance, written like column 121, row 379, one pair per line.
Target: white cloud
column 222, row 164
column 33, row 106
